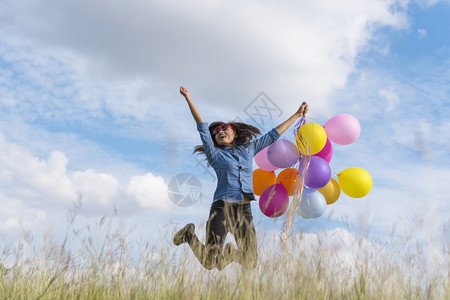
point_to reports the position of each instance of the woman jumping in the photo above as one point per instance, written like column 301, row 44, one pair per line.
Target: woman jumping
column 229, row 150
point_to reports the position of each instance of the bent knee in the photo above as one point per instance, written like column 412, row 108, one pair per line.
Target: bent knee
column 210, row 262
column 209, row 267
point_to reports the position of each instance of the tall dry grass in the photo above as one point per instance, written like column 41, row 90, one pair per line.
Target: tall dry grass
column 99, row 262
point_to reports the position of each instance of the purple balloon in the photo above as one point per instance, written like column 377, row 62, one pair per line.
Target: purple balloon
column 283, row 154
column 263, row 162
column 274, row 200
column 318, row 173
column 327, row 151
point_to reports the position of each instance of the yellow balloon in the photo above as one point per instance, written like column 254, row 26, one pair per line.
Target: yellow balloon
column 312, row 137
column 355, row 182
column 331, row 191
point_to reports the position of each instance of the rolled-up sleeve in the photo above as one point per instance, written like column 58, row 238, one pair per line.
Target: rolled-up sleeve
column 265, row 140
column 208, row 144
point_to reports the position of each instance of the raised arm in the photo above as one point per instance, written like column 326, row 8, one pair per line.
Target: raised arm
column 286, row 124
column 194, row 111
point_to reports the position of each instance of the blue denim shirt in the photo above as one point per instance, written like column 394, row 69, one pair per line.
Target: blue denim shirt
column 233, row 165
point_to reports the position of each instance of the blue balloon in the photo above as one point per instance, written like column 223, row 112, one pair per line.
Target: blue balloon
column 313, row 204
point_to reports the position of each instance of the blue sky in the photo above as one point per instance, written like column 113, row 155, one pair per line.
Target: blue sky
column 90, row 106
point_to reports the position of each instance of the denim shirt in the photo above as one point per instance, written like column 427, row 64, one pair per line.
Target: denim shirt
column 233, row 165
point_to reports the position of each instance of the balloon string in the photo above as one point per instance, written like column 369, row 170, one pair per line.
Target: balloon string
column 298, row 125
column 285, row 230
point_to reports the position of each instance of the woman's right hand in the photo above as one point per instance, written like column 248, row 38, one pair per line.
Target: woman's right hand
column 195, row 113
column 184, row 92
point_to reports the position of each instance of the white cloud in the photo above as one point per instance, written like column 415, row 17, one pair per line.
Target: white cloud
column 391, row 99
column 433, row 2
column 17, row 216
column 344, row 250
column 99, row 188
column 150, row 192
column 422, row 33
column 288, row 48
column 35, row 189
column 24, row 175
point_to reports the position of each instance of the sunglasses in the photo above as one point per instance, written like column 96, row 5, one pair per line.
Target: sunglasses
column 222, row 127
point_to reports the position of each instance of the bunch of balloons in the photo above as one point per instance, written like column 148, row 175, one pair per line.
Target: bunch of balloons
column 310, row 158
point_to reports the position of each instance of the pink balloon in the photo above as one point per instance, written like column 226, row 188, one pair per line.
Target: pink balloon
column 283, row 153
column 274, row 200
column 327, row 151
column 263, row 162
column 343, row 129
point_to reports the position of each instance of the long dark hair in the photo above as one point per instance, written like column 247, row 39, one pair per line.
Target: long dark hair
column 244, row 135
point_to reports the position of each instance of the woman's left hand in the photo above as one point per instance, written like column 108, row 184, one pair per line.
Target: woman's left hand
column 285, row 125
column 303, row 109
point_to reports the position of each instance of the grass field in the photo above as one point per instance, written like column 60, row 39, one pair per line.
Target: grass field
column 101, row 263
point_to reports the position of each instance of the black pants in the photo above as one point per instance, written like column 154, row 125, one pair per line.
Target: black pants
column 227, row 217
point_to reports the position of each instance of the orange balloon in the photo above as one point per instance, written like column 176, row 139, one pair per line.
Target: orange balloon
column 262, row 180
column 289, row 178
column 331, row 191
